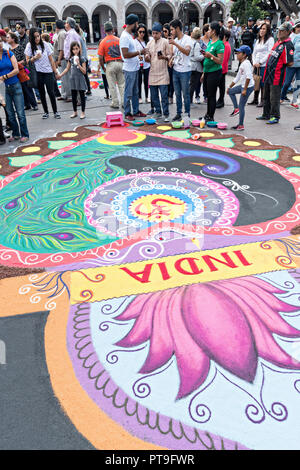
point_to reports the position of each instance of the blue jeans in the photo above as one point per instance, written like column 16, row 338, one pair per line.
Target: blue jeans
column 237, row 90
column 261, row 73
column 181, row 82
column 164, row 98
column 131, row 92
column 291, row 72
column 15, row 104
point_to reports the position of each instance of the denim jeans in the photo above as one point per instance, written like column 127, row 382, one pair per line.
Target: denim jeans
column 15, row 104
column 131, row 92
column 237, row 90
column 181, row 82
column 291, row 72
column 29, row 98
column 262, row 72
column 164, row 98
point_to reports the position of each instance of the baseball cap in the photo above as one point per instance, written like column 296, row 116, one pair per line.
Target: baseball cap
column 244, row 49
column 108, row 26
column 285, row 27
column 251, row 18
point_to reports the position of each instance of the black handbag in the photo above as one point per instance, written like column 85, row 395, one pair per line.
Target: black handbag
column 32, row 82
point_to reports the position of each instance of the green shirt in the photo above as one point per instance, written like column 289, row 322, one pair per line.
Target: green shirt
column 214, row 48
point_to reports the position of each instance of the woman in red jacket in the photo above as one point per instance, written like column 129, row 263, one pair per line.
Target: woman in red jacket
column 224, row 36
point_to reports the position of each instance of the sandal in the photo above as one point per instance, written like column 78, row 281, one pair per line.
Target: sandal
column 82, row 116
column 12, row 139
column 74, row 115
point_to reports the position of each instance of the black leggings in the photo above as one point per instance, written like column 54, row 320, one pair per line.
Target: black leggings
column 46, row 79
column 144, row 73
column 105, row 83
column 211, row 81
column 82, row 99
column 2, row 137
column 222, row 88
column 88, row 84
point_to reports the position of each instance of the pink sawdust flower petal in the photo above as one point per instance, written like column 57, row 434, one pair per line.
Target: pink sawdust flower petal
column 142, row 328
column 266, row 345
column 161, row 345
column 218, row 326
column 268, row 315
column 193, row 364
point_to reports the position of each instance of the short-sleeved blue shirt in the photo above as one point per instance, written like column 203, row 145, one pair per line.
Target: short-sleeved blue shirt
column 6, row 67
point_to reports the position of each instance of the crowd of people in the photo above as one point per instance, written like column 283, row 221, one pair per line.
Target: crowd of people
column 157, row 63
column 31, row 62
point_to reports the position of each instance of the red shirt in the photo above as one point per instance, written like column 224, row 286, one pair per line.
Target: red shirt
column 226, row 57
column 109, row 48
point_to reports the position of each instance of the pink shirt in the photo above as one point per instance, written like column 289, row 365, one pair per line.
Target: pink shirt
column 226, row 57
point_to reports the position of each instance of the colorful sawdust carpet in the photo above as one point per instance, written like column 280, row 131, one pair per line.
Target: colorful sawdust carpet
column 170, row 270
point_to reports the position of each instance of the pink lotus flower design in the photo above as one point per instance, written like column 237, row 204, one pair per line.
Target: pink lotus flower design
column 231, row 322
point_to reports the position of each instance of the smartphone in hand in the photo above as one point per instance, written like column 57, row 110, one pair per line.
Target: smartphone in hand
column 159, row 54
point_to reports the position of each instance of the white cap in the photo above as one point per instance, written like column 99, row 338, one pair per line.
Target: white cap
column 230, row 19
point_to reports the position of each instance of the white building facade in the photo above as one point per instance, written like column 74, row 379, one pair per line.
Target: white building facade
column 93, row 14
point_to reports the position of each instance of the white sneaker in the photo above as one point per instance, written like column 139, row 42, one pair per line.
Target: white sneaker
column 198, row 100
column 166, row 119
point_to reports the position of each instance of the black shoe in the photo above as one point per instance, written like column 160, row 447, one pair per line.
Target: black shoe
column 262, row 118
column 27, row 108
column 177, row 117
column 88, row 92
column 220, row 105
column 150, row 112
column 297, row 128
column 35, row 108
column 254, row 102
column 208, row 118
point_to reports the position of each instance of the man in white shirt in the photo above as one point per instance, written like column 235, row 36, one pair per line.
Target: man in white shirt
column 131, row 67
column 182, row 46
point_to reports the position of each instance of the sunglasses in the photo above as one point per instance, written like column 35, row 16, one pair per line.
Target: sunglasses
column 165, row 31
column 142, row 32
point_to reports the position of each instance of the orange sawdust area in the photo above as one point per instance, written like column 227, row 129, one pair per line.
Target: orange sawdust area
column 41, row 147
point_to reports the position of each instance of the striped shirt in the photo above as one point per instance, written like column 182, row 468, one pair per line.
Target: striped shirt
column 43, row 64
column 159, row 74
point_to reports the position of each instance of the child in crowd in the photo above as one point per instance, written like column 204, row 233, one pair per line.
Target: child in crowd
column 245, row 76
column 78, row 84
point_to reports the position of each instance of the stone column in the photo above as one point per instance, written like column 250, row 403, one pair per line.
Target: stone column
column 91, row 31
column 120, row 8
